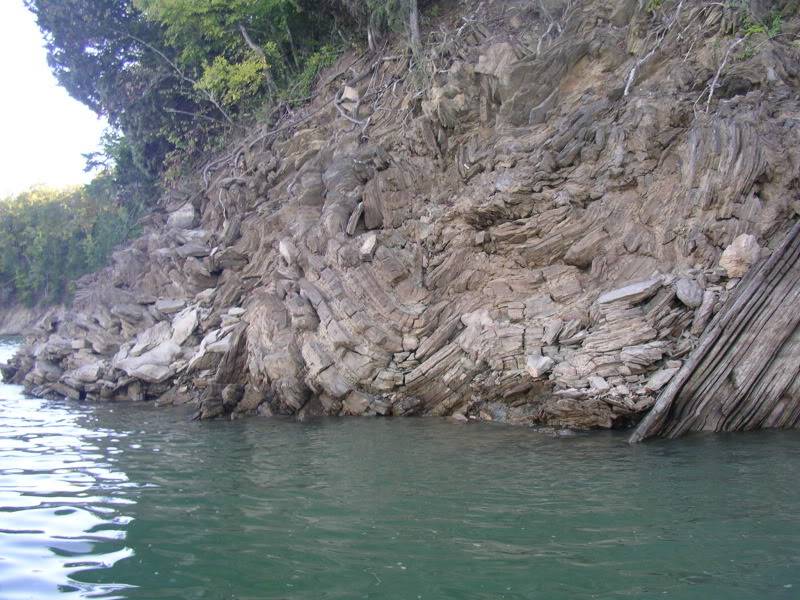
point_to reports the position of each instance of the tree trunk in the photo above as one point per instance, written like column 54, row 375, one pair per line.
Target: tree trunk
column 290, row 37
column 263, row 55
column 413, row 26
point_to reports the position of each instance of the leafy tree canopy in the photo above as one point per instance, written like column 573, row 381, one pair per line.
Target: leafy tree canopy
column 49, row 237
column 171, row 76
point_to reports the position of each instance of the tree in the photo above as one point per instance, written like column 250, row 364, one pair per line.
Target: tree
column 50, row 237
column 108, row 56
column 238, row 49
column 381, row 15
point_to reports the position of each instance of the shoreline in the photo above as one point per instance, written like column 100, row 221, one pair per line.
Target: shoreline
column 517, row 240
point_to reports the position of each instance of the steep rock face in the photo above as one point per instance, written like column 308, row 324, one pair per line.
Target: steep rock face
column 534, row 238
column 745, row 372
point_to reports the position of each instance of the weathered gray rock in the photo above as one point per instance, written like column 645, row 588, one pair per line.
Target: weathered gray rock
column 632, row 293
column 154, row 366
column 585, row 250
column 744, row 372
column 288, row 251
column 184, row 324
column 659, row 379
column 354, row 218
column 150, row 338
column 539, row 366
column 497, row 61
column 170, row 306
column 485, row 247
column 689, row 292
column 183, row 218
column 230, row 258
column 367, row 249
column 196, row 250
column 704, row 312
column 598, row 384
column 89, row 373
column 132, row 313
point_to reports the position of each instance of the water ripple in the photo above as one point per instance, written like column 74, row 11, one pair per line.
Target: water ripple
column 130, row 502
column 60, row 508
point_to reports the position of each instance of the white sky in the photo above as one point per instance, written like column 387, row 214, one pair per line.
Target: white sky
column 43, row 131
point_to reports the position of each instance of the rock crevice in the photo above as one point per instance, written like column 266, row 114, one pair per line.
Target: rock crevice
column 519, row 241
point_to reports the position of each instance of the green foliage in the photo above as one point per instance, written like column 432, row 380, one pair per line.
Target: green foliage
column 50, row 237
column 748, row 51
column 654, row 5
column 751, row 29
column 749, row 25
column 238, row 48
column 232, row 83
column 775, row 25
column 316, row 62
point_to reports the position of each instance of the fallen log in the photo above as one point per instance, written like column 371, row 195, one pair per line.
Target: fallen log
column 743, row 374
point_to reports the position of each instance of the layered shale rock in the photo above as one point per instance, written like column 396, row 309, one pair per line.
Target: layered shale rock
column 535, row 227
column 744, row 373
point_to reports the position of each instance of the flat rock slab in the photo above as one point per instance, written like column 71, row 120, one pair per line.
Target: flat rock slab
column 169, row 306
column 659, row 379
column 184, row 325
column 633, row 293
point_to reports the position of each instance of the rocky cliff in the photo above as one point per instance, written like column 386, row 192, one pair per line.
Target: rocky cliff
column 533, row 224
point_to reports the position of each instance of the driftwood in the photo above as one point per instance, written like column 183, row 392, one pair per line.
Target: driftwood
column 743, row 375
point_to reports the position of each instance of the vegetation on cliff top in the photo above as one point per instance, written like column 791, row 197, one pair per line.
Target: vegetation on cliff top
column 173, row 77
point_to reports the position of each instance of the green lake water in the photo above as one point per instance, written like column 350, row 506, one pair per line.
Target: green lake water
column 128, row 501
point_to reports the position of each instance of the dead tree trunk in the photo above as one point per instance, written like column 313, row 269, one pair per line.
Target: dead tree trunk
column 413, row 26
column 262, row 55
column 745, row 372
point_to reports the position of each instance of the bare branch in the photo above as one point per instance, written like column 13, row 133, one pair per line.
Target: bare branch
column 714, row 81
column 263, row 55
column 183, row 76
column 656, row 46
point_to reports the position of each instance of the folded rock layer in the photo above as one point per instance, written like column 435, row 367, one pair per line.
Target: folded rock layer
column 743, row 375
column 527, row 228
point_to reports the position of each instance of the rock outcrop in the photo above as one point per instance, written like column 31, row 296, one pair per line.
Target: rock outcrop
column 540, row 235
column 745, row 372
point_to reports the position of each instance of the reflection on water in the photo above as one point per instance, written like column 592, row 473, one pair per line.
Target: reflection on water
column 126, row 501
column 63, row 508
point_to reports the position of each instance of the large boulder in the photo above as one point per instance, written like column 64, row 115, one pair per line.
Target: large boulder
column 183, row 218
column 154, row 366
